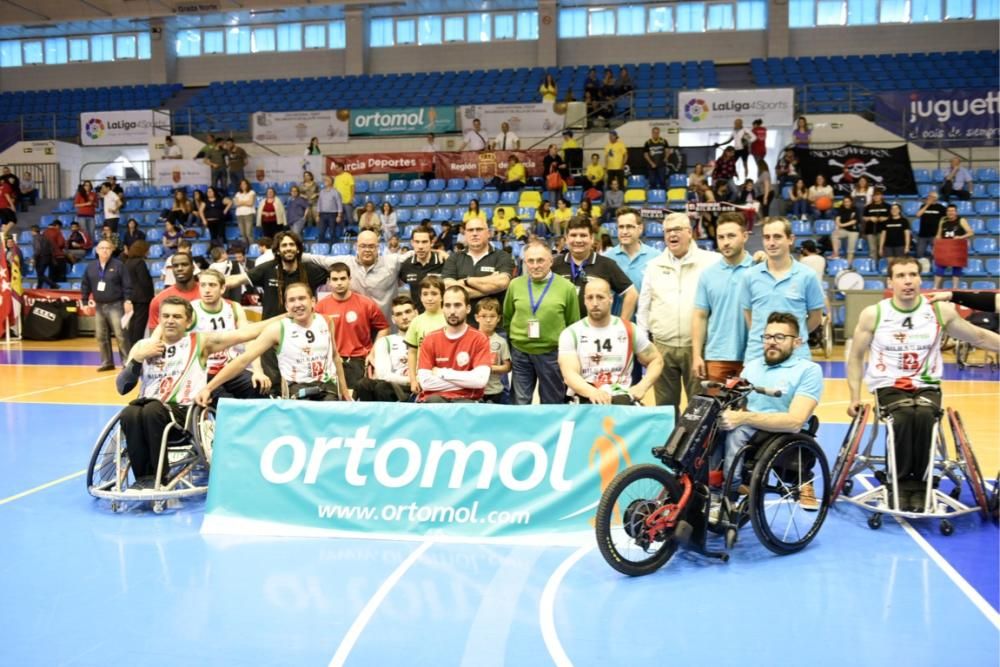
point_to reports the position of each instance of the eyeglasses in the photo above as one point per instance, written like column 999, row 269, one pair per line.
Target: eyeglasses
column 676, row 230
column 777, row 338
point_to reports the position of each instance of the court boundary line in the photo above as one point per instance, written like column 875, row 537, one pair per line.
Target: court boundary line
column 62, row 386
column 362, row 619
column 970, row 592
column 546, row 608
column 42, row 487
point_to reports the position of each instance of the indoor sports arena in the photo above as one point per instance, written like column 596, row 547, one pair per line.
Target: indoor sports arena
column 650, row 331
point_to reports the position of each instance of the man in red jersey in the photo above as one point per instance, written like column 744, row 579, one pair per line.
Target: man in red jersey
column 454, row 364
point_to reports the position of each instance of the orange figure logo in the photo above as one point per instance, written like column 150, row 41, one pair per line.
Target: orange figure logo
column 611, row 450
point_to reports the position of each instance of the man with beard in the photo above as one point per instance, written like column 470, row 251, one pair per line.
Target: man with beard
column 718, row 330
column 186, row 287
column 391, row 380
column 307, row 354
column 454, row 364
column 800, row 382
column 596, row 353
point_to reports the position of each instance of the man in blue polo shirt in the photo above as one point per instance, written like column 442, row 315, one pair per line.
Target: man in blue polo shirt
column 779, row 284
column 631, row 254
column 801, row 384
column 718, row 330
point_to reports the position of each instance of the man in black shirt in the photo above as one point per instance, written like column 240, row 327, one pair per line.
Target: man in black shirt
column 423, row 263
column 107, row 281
column 582, row 263
column 876, row 213
column 481, row 270
column 930, row 219
column 655, row 154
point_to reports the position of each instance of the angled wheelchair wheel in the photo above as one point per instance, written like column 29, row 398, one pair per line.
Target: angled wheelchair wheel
column 789, row 493
column 622, row 536
column 827, row 337
column 109, row 464
column 973, row 474
column 848, row 451
column 203, row 430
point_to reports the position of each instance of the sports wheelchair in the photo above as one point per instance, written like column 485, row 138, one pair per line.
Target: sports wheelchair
column 181, row 471
column 648, row 511
column 880, row 499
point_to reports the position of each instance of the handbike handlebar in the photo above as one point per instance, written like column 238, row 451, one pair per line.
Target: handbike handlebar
column 741, row 385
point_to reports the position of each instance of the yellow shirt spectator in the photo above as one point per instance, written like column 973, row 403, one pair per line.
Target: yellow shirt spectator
column 595, row 173
column 516, row 172
column 519, row 231
column 561, row 217
column 501, row 224
column 344, row 183
column 615, row 155
column 548, row 92
column 469, row 215
column 544, row 218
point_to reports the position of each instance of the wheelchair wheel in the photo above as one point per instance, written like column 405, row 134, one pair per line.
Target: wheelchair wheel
column 622, row 536
column 204, row 430
column 827, row 337
column 973, row 474
column 849, row 450
column 109, row 463
column 781, row 478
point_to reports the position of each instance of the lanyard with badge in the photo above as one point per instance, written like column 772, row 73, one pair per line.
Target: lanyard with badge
column 577, row 272
column 101, row 285
column 534, row 326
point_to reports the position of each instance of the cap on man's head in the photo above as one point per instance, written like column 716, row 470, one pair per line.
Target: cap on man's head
column 613, row 133
column 567, row 133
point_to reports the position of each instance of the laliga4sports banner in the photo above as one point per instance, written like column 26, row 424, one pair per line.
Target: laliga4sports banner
column 466, row 472
column 886, row 167
column 717, row 109
column 114, row 128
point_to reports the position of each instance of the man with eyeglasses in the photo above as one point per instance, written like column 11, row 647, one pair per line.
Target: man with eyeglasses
column 481, row 270
column 666, row 304
column 800, row 382
column 373, row 275
column 779, row 284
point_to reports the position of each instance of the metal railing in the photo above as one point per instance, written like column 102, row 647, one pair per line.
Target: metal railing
column 135, row 171
column 44, row 174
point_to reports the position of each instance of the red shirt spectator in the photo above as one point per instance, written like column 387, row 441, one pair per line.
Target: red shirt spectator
column 468, row 351
column 54, row 234
column 174, row 290
column 759, row 146
column 725, row 166
column 8, row 198
column 354, row 319
column 86, row 204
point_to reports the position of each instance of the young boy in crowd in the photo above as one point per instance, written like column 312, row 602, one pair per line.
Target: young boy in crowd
column 487, row 317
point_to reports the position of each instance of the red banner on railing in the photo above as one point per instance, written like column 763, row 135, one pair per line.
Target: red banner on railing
column 485, row 164
column 382, row 163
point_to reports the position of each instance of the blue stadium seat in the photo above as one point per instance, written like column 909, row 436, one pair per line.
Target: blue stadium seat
column 678, row 181
column 474, row 183
column 993, row 266
column 418, row 185
column 490, row 197
column 360, row 185
column 156, row 250
column 910, row 208
column 964, row 207
column 983, row 284
column 975, row 267
column 656, row 196
column 428, row 199
column 653, row 230
column 637, row 181
column 509, row 198
column 77, row 270
column 154, row 236
column 448, row 199
column 398, row 185
column 865, row 266
column 319, row 248
column 801, row 228
column 436, row 184
column 156, row 269
column 403, row 215
column 922, row 175
column 987, row 175
column 441, row 214
column 986, row 207
column 420, row 214
column 993, row 225
column 874, row 285
column 409, row 199
column 574, row 196
column 984, row 245
column 823, row 227
column 341, row 249
column 835, row 266
column 456, row 184
column 380, row 185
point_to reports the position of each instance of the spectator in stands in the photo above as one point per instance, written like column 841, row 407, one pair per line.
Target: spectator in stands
column 246, row 210
column 369, row 218
column 107, row 281
column 390, row 379
column 473, row 211
column 788, row 169
column 624, row 85
column 862, row 193
column 746, row 196
column 819, row 190
column 848, row 226
column 77, row 243
column 555, row 183
column 894, row 241
column 762, row 188
column 930, row 219
column 548, row 89
column 594, row 175
column 355, row 317
column 957, row 183
column 697, row 177
column 133, row 233
column 543, row 219
column 741, row 138
column 705, row 220
column 430, row 147
column 196, row 219
column 955, row 229
column 236, row 163
column 171, row 151
column 85, row 203
column 506, row 140
column 343, row 180
column 666, row 306
column 516, row 177
column 42, row 254
column 561, row 216
column 592, row 85
column 331, row 211
column 389, row 221
column 500, row 224
column 725, row 171
column 655, row 153
column 214, row 211
column 107, row 234
column 14, row 184
column 799, row 196
column 568, row 143
column 758, row 148
column 313, row 147
column 802, row 133
column 876, row 213
column 215, row 158
column 271, row 214
column 55, row 236
column 475, row 140
column 614, row 199
column 538, row 306
column 171, row 236
column 112, row 205
column 585, row 209
column 615, row 154
column 810, row 255
column 137, row 272
column 310, row 190
column 295, row 210
column 423, row 262
column 480, row 269
column 609, row 88
column 28, row 192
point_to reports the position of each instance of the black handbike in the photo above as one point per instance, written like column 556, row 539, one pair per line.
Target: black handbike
column 648, row 511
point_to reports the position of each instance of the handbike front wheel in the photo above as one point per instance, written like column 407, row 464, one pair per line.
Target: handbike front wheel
column 789, row 494
column 622, row 535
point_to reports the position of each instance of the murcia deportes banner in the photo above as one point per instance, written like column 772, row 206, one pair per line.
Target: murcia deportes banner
column 465, row 472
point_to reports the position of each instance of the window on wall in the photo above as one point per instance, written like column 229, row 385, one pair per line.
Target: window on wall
column 213, row 42
column 601, row 22
column 56, row 51
column 527, row 25
column 380, row 32
column 478, row 27
column 262, row 40
column 315, row 36
column 406, row 31
column 102, row 48
column 751, row 15
column 720, row 17
column 830, row 12
column 338, row 35
column 801, row 13
column 690, row 17
column 862, row 12
column 79, row 49
column 34, row 54
column 429, row 30
column 893, row 11
column 289, row 37
column 188, row 43
column 454, row 29
column 125, row 47
column 987, row 9
column 10, row 54
column 145, row 48
column 925, row 11
column 238, row 41
column 631, row 20
column 958, row 9
column 503, row 26
column 661, row 19
column 572, row 23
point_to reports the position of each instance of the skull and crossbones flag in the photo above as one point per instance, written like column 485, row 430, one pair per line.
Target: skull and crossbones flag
column 888, row 168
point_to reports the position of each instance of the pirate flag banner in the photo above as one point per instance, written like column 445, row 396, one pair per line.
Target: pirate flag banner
column 888, row 168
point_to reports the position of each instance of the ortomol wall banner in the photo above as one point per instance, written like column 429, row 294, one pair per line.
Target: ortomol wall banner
column 402, row 121
column 717, row 109
column 465, row 472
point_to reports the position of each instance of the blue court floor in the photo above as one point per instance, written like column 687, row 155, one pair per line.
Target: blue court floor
column 83, row 586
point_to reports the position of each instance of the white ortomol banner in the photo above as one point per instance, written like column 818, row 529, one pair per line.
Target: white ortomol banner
column 181, row 172
column 293, row 127
column 717, row 109
column 113, row 128
column 271, row 169
column 526, row 120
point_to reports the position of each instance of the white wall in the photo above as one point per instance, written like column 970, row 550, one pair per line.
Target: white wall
column 861, row 40
column 722, row 48
column 206, row 69
column 89, row 75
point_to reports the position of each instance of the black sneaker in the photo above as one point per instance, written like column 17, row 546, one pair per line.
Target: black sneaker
column 105, row 367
